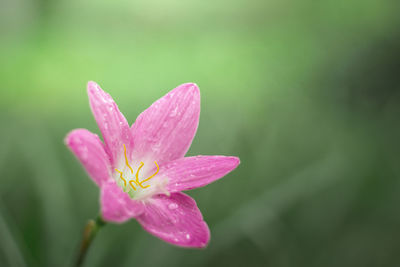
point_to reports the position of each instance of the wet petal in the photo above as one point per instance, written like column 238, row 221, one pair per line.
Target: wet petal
column 192, row 172
column 117, row 206
column 112, row 123
column 175, row 219
column 88, row 148
column 165, row 130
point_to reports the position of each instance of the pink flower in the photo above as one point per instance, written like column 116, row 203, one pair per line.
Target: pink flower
column 141, row 170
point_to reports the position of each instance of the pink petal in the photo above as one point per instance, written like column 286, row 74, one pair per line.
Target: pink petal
column 166, row 129
column 88, row 148
column 113, row 125
column 175, row 219
column 193, row 172
column 117, row 206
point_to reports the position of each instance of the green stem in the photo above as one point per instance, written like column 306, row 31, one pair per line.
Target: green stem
column 91, row 229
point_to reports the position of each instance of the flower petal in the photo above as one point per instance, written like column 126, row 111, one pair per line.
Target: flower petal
column 113, row 125
column 117, row 206
column 166, row 129
column 88, row 148
column 175, row 219
column 192, row 172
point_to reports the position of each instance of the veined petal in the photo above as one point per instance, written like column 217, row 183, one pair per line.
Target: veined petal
column 113, row 125
column 192, row 172
column 117, row 206
column 166, row 129
column 88, row 148
column 175, row 219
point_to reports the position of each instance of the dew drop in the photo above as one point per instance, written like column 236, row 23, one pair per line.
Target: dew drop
column 173, row 206
column 84, row 153
column 174, row 112
column 156, row 147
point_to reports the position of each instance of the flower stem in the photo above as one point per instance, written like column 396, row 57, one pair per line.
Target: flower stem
column 91, row 229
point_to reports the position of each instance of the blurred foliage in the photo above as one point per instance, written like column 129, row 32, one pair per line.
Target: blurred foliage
column 306, row 93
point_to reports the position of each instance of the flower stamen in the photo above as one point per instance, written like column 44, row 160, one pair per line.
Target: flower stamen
column 122, row 178
column 158, row 169
column 126, row 160
column 137, row 175
column 137, row 182
column 132, row 181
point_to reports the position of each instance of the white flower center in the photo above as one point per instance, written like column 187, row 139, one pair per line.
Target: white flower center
column 140, row 179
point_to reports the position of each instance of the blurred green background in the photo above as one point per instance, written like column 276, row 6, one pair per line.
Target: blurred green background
column 306, row 93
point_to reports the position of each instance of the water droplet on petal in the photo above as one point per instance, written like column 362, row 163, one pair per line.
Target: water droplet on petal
column 156, row 147
column 174, row 112
column 173, row 206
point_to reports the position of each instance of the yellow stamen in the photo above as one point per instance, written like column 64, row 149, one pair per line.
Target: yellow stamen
column 158, row 168
column 137, row 175
column 126, row 160
column 122, row 178
column 136, row 182
column 132, row 181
